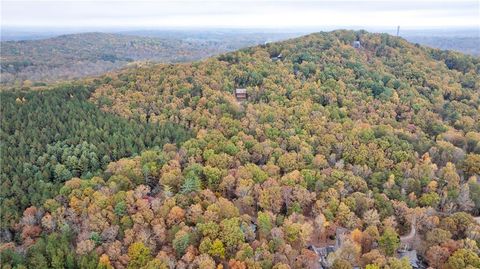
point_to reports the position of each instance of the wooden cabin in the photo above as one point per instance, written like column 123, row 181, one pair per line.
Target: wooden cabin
column 241, row 94
column 277, row 58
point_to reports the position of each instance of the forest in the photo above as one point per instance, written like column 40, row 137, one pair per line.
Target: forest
column 65, row 136
column 336, row 157
column 35, row 63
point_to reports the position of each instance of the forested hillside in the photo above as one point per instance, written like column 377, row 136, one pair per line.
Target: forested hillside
column 360, row 145
column 35, row 62
column 79, row 55
column 49, row 137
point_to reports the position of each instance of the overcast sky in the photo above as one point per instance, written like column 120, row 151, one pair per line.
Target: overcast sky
column 242, row 14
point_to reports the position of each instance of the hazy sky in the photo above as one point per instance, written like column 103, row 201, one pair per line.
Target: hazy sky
column 235, row 13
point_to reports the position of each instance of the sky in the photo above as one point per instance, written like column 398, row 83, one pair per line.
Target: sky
column 239, row 14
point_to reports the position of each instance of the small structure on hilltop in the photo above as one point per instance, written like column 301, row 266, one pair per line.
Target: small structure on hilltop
column 357, row 44
column 241, row 94
column 277, row 58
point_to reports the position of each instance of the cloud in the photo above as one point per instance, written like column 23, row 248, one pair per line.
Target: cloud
column 235, row 13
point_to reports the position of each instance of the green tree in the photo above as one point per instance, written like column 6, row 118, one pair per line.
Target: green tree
column 217, row 249
column 463, row 258
column 264, row 224
column 213, row 176
column 192, row 184
column 394, row 263
column 139, row 255
column 231, row 234
column 341, row 264
column 389, row 241
column 181, row 242
column 472, row 164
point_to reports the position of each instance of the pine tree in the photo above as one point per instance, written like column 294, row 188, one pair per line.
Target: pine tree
column 192, row 184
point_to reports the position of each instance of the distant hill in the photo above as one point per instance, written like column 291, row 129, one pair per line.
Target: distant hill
column 38, row 61
column 78, row 55
column 464, row 44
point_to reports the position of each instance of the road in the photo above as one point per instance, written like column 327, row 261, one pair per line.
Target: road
column 411, row 235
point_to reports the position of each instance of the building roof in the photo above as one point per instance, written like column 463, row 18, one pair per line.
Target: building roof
column 241, row 91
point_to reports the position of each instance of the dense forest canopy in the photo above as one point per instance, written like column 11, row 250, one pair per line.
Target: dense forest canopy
column 50, row 136
column 360, row 145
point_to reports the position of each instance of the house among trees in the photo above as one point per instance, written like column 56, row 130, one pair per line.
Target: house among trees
column 278, row 57
column 241, row 94
column 323, row 252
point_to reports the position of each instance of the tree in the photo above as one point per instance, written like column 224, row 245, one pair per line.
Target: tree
column 357, row 236
column 209, row 229
column 341, row 264
column 213, row 176
column 345, row 217
column 289, row 162
column 214, row 249
column 349, row 251
column 104, row 262
column 472, row 164
column 463, row 200
column 192, row 184
column 389, row 241
column 217, row 249
column 171, row 175
column 394, row 263
column 264, row 224
column 155, row 264
column 437, row 256
column 463, row 258
column 369, row 236
column 231, row 234
column 139, row 255
column 62, row 173
column 175, row 216
column 429, row 199
column 204, row 261
column 270, row 196
column 437, row 236
column 371, row 217
column 89, row 261
column 181, row 242
column 120, row 208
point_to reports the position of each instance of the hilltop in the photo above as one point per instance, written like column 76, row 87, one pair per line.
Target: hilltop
column 333, row 142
